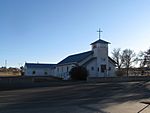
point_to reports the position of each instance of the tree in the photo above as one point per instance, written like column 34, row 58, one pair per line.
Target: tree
column 117, row 57
column 144, row 58
column 128, row 57
column 140, row 59
column 78, row 73
column 147, row 58
column 22, row 70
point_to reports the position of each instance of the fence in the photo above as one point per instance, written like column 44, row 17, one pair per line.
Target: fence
column 119, row 79
column 26, row 82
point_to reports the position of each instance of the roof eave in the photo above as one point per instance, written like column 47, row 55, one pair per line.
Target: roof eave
column 96, row 42
column 103, row 41
column 67, row 63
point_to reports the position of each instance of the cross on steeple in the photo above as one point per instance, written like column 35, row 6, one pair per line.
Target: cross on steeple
column 99, row 31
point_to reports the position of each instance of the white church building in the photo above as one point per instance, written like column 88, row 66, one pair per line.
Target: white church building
column 96, row 61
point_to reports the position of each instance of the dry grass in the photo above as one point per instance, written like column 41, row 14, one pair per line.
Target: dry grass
column 3, row 74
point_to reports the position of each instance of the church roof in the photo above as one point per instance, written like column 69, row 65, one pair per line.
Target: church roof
column 76, row 58
column 111, row 60
column 37, row 65
column 100, row 41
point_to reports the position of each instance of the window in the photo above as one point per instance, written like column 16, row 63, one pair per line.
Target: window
column 98, row 69
column 109, row 68
column 33, row 72
column 94, row 46
column 67, row 68
column 57, row 69
column 103, row 68
column 92, row 68
column 45, row 73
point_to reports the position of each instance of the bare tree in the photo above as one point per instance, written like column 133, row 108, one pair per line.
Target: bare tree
column 117, row 57
column 144, row 59
column 129, row 57
column 147, row 58
column 140, row 59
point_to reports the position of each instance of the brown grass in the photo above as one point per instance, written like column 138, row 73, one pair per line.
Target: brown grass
column 3, row 74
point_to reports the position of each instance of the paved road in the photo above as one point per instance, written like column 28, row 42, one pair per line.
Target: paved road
column 78, row 98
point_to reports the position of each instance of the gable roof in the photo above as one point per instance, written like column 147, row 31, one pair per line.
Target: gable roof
column 37, row 65
column 111, row 60
column 100, row 41
column 91, row 59
column 76, row 58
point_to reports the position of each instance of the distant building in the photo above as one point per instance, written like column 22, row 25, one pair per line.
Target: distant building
column 96, row 61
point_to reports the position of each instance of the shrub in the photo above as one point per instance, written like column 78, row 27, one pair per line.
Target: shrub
column 120, row 73
column 78, row 73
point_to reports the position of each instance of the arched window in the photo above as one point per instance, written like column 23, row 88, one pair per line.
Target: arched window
column 98, row 69
column 103, row 68
column 33, row 72
column 109, row 68
column 92, row 68
column 67, row 68
column 94, row 46
column 45, row 73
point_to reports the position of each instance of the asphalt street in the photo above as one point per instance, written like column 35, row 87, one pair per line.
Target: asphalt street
column 120, row 97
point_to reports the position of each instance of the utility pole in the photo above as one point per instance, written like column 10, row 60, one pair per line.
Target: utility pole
column 5, row 63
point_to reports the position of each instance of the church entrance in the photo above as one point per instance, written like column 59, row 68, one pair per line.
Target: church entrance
column 103, row 68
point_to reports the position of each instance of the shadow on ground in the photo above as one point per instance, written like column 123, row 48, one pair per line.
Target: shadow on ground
column 79, row 94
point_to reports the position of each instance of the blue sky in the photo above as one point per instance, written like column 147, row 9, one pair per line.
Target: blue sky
column 46, row 31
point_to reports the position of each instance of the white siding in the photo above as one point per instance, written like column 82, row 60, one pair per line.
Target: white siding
column 112, row 70
column 101, row 53
column 92, row 68
column 62, row 71
column 38, row 71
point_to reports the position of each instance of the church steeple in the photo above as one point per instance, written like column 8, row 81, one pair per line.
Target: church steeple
column 100, row 46
column 100, row 52
column 99, row 32
column 99, row 42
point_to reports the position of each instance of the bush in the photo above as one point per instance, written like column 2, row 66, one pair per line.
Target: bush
column 120, row 73
column 78, row 73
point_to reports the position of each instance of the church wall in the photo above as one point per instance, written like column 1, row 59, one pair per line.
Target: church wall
column 101, row 52
column 38, row 72
column 92, row 68
column 111, row 70
column 62, row 71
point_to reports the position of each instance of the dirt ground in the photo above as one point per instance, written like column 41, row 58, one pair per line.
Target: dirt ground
column 79, row 97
